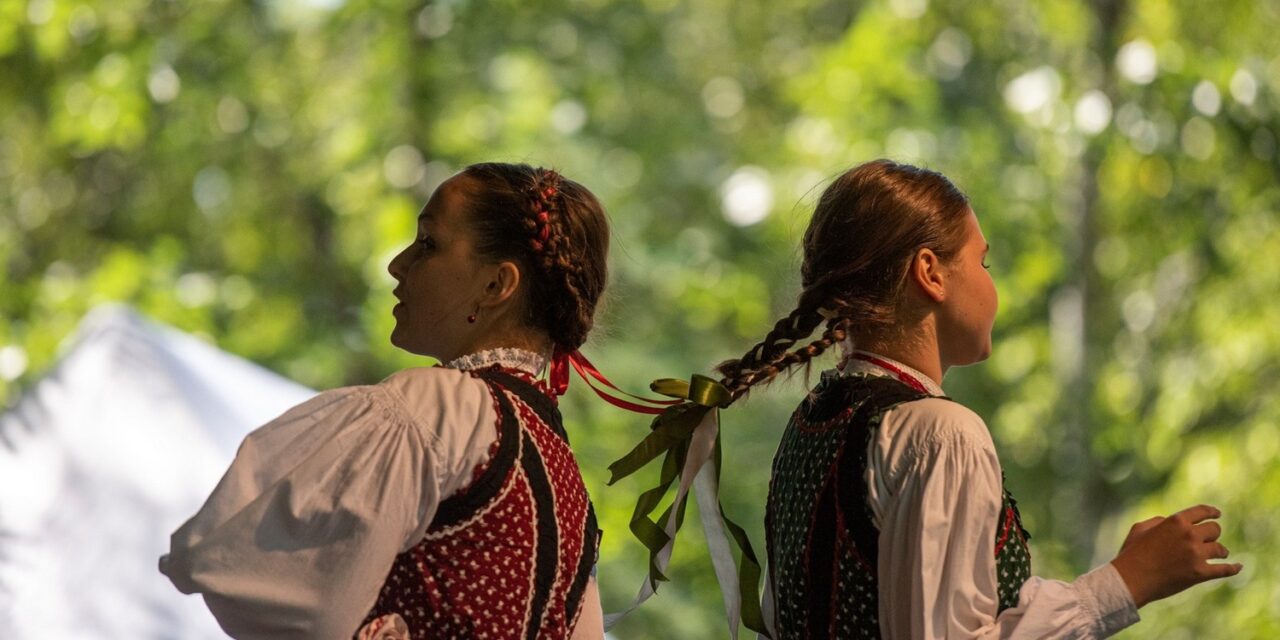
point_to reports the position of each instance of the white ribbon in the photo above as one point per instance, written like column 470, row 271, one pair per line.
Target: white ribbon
column 700, row 470
column 707, row 494
column 766, row 609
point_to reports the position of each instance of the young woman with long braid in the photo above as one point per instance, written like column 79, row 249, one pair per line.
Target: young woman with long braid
column 887, row 516
column 444, row 502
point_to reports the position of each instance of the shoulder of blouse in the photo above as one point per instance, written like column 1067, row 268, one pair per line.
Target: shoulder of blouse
column 424, row 379
column 438, row 398
column 932, row 422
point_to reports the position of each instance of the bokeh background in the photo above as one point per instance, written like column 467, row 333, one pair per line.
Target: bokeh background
column 245, row 170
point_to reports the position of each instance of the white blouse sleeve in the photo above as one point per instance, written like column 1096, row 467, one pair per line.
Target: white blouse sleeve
column 299, row 534
column 935, row 491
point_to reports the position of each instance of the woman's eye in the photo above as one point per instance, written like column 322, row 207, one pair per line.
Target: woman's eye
column 426, row 243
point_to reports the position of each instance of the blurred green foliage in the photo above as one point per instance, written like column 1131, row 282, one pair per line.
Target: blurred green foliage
column 244, row 170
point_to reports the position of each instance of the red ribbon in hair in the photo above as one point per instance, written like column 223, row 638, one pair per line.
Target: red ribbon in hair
column 545, row 231
column 558, row 381
column 558, row 378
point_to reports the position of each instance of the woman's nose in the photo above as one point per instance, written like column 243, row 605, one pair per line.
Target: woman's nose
column 393, row 267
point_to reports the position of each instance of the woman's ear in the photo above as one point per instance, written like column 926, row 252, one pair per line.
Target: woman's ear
column 928, row 274
column 503, row 281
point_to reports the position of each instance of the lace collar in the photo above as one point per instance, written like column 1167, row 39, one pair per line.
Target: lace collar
column 511, row 358
column 850, row 365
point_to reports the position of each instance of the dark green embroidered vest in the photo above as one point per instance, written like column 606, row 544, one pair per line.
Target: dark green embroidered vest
column 822, row 540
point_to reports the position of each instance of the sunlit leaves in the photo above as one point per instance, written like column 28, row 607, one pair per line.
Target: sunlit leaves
column 246, row 170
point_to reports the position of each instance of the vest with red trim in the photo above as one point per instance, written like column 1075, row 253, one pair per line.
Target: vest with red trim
column 509, row 556
column 822, row 540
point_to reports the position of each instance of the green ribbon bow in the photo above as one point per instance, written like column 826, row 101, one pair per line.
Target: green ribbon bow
column 671, row 434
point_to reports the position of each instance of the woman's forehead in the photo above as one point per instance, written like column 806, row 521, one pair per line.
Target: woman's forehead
column 447, row 203
column 974, row 229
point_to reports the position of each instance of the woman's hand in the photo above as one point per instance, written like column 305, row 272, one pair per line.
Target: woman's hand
column 1162, row 556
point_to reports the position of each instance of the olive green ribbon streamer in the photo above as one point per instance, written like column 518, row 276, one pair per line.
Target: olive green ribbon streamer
column 671, row 434
column 699, row 390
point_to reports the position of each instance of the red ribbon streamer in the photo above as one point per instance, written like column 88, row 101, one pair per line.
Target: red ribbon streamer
column 558, row 381
column 558, row 378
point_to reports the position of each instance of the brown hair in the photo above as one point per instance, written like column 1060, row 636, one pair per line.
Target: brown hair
column 556, row 230
column 866, row 228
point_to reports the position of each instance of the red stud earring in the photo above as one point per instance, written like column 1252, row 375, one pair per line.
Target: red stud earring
column 472, row 318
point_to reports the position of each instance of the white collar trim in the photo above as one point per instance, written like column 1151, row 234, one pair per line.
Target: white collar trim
column 509, row 357
column 851, row 365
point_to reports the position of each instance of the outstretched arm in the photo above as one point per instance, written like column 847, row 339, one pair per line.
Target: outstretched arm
column 301, row 531
column 938, row 498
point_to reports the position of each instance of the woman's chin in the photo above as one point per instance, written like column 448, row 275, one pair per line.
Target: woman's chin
column 398, row 339
column 983, row 353
column 401, row 341
column 979, row 354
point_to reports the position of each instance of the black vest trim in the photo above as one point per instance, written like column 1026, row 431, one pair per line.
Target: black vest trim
column 590, row 549
column 821, row 563
column 842, row 499
column 457, row 508
column 460, row 506
column 530, row 394
column 546, row 552
column 882, row 394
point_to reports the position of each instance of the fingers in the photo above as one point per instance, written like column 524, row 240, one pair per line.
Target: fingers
column 1221, row 570
column 1213, row 571
column 1207, row 531
column 1198, row 513
column 1216, row 551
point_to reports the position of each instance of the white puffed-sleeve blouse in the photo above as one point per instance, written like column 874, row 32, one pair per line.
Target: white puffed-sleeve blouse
column 935, row 490
column 299, row 535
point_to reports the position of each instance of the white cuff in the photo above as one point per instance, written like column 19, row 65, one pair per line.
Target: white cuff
column 1104, row 594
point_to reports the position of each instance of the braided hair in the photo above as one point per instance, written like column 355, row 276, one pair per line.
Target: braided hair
column 857, row 250
column 556, row 230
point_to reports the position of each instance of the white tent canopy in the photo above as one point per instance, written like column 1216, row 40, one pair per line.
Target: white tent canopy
column 105, row 456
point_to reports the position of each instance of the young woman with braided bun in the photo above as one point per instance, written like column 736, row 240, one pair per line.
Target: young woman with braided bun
column 443, row 502
column 887, row 516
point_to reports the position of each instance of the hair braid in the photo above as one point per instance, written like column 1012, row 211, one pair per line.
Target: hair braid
column 548, row 241
column 835, row 333
column 557, row 229
column 551, row 239
column 760, row 363
column 542, row 205
column 774, row 354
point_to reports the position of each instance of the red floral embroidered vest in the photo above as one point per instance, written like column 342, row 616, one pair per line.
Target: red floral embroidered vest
column 509, row 556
